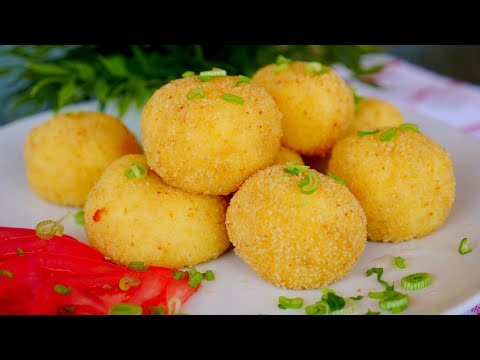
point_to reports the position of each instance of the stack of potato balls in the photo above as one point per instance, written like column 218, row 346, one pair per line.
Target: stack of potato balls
column 223, row 165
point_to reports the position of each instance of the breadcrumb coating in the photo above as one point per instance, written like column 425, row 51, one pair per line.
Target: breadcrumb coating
column 317, row 110
column 291, row 239
column 66, row 155
column 209, row 145
column 406, row 185
column 147, row 220
column 375, row 113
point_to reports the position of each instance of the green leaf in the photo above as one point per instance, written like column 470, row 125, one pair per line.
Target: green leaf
column 335, row 302
column 66, row 94
column 47, row 69
column 115, row 65
column 123, row 104
column 42, row 83
column 102, row 90
column 84, row 70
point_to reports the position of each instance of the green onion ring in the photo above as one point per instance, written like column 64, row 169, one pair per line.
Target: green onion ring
column 125, row 309
column 416, row 281
column 194, row 93
column 463, row 248
column 309, row 183
column 127, row 282
column 368, row 132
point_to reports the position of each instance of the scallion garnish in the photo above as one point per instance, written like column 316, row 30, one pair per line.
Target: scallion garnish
column 125, row 309
column 178, row 275
column 6, row 273
column 210, row 74
column 370, row 312
column 188, row 74
column 194, row 93
column 332, row 304
column 463, row 248
column 137, row 170
column 356, row 298
column 294, row 168
column 127, row 282
column 319, row 308
column 388, row 134
column 209, row 275
column 309, row 183
column 138, row 266
column 348, row 309
column 66, row 309
column 379, row 272
column 400, row 262
column 315, row 68
column 337, row 179
column 243, row 80
column 356, row 97
column 416, row 281
column 394, row 301
column 286, row 303
column 156, row 310
column 47, row 229
column 233, row 98
column 79, row 218
column 409, row 126
column 20, row 252
column 368, row 132
column 195, row 279
column 62, row 289
column 282, row 63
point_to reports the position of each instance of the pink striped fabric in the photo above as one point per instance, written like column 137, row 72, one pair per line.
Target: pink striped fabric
column 424, row 92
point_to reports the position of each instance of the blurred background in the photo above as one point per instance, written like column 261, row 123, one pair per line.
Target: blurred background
column 456, row 61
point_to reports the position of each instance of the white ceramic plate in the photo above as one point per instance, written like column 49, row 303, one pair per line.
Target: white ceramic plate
column 237, row 290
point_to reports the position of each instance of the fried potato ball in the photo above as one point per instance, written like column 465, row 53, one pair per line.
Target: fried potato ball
column 144, row 219
column 375, row 113
column 317, row 109
column 295, row 240
column 406, row 185
column 208, row 144
column 285, row 155
column 66, row 155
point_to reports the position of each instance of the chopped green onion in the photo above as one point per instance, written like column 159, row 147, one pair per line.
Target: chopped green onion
column 294, row 168
column 20, row 252
column 125, row 309
column 416, row 281
column 282, row 63
column 359, row 297
column 47, row 229
column 137, row 170
column 79, row 218
column 379, row 272
column 319, row 308
column 394, row 301
column 157, row 310
column 210, row 74
column 368, row 132
column 66, row 309
column 233, row 98
column 62, row 289
column 315, row 68
column 195, row 280
column 370, row 312
column 127, row 282
column 6, row 273
column 243, row 80
column 286, row 303
column 188, row 74
column 348, row 309
column 178, row 275
column 174, row 306
column 337, row 179
column 138, row 266
column 309, row 183
column 409, row 126
column 194, row 93
column 400, row 262
column 209, row 275
column 356, row 97
column 463, row 247
column 388, row 134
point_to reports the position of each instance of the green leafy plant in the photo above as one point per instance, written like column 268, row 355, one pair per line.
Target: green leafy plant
column 59, row 75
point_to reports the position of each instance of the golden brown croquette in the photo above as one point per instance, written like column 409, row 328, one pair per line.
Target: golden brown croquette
column 295, row 240
column 66, row 155
column 317, row 109
column 406, row 185
column 285, row 155
column 207, row 144
column 143, row 219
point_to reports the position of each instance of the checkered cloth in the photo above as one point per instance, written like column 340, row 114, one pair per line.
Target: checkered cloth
column 424, row 92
